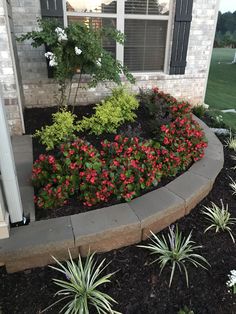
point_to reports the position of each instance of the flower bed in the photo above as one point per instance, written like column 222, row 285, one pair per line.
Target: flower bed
column 138, row 286
column 124, row 166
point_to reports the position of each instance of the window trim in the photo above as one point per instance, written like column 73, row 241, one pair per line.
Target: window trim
column 120, row 17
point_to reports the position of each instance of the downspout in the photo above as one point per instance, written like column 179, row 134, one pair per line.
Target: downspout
column 8, row 169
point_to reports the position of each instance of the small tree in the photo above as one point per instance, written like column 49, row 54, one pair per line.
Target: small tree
column 78, row 48
column 228, row 39
column 219, row 40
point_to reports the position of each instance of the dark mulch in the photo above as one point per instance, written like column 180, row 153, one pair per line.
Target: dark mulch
column 38, row 117
column 137, row 286
column 35, row 118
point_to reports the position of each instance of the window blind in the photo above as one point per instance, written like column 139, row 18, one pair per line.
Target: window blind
column 156, row 7
column 145, row 44
column 91, row 6
column 97, row 22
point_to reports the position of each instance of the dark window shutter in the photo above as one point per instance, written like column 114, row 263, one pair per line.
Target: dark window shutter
column 51, row 9
column 182, row 23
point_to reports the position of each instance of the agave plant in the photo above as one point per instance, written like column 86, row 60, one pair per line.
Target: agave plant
column 219, row 217
column 185, row 310
column 176, row 251
column 80, row 288
column 234, row 158
column 233, row 186
column 231, row 142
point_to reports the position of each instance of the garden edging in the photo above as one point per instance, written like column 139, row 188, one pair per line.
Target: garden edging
column 115, row 226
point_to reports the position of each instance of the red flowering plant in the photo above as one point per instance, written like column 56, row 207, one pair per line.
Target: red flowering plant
column 54, row 187
column 161, row 95
column 55, row 195
column 46, row 168
column 183, row 142
column 96, row 188
column 133, row 164
column 78, row 170
column 83, row 162
column 179, row 109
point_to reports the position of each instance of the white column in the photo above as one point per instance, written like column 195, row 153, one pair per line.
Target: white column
column 4, row 218
column 120, row 25
column 8, row 169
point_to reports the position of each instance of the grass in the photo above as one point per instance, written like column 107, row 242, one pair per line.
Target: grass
column 221, row 91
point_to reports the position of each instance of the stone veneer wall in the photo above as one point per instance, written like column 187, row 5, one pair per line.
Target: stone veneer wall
column 39, row 90
column 9, row 78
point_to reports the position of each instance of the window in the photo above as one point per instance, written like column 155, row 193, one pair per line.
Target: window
column 145, row 24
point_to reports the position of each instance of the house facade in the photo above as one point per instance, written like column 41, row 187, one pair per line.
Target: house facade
column 168, row 44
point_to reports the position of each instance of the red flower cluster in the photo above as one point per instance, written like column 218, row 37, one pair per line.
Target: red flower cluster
column 45, row 167
column 184, row 143
column 133, row 165
column 166, row 97
column 177, row 109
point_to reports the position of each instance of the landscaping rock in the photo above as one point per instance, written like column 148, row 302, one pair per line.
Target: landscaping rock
column 208, row 168
column 190, row 187
column 157, row 209
column 32, row 245
column 106, row 229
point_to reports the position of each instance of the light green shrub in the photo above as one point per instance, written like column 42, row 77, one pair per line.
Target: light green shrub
column 111, row 113
column 61, row 130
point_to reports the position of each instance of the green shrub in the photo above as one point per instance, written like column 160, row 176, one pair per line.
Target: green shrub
column 111, row 113
column 215, row 119
column 200, row 110
column 60, row 131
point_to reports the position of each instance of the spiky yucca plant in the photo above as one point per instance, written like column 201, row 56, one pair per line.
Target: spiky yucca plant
column 176, row 251
column 185, row 310
column 233, row 186
column 80, row 287
column 231, row 142
column 234, row 158
column 219, row 217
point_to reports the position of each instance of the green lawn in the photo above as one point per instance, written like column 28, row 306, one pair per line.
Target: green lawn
column 221, row 88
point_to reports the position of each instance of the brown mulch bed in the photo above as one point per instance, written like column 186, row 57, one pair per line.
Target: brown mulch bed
column 137, row 286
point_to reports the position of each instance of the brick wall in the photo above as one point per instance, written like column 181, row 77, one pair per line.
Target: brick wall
column 40, row 91
column 32, row 61
column 8, row 71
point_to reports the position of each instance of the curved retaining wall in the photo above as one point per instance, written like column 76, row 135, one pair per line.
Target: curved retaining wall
column 116, row 226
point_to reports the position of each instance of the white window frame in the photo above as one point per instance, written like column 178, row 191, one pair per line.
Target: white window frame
column 120, row 17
